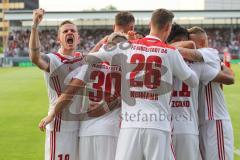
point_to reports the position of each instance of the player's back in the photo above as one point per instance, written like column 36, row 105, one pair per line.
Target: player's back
column 184, row 105
column 185, row 99
column 104, row 85
column 152, row 65
column 148, row 66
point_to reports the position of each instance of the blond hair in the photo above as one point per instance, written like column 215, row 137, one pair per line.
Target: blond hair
column 65, row 22
column 196, row 30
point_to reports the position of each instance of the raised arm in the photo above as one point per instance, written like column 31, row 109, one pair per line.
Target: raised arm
column 41, row 60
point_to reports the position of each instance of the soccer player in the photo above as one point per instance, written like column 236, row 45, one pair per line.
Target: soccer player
column 148, row 66
column 124, row 23
column 179, row 38
column 216, row 133
column 184, row 103
column 103, row 130
column 59, row 68
column 98, row 133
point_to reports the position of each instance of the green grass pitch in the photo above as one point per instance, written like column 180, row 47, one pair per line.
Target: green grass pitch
column 23, row 102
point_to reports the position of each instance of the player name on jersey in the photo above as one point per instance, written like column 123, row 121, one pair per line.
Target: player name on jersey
column 106, row 66
column 147, row 49
column 144, row 95
column 180, row 104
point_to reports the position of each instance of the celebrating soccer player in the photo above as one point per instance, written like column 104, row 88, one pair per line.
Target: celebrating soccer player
column 61, row 135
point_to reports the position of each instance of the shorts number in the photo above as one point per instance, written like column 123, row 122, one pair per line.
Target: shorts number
column 61, row 156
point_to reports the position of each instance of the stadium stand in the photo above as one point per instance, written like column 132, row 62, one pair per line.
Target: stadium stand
column 222, row 39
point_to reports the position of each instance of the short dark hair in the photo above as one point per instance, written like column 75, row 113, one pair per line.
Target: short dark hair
column 177, row 31
column 161, row 17
column 124, row 18
column 140, row 33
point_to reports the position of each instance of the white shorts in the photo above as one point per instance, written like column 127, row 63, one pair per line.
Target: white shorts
column 97, row 147
column 143, row 144
column 61, row 145
column 186, row 146
column 216, row 140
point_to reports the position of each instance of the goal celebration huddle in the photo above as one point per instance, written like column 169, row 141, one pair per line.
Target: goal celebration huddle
column 134, row 96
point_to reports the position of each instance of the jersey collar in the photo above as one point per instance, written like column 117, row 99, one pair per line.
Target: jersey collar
column 65, row 56
column 153, row 37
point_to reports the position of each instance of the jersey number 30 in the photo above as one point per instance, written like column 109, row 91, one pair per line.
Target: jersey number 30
column 104, row 90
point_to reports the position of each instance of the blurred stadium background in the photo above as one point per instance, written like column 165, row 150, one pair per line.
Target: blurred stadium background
column 23, row 99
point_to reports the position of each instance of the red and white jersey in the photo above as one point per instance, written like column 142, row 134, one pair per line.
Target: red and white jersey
column 62, row 69
column 211, row 99
column 104, row 85
column 184, row 101
column 148, row 67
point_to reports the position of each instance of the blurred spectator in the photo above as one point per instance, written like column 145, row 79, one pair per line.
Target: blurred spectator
column 222, row 39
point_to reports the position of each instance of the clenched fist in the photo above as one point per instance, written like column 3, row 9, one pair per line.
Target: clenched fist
column 38, row 15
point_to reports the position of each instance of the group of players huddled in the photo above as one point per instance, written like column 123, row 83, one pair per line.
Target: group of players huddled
column 135, row 97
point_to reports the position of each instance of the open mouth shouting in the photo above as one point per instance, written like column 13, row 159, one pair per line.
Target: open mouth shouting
column 69, row 39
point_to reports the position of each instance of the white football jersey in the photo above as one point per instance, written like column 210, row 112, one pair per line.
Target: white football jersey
column 184, row 101
column 211, row 98
column 211, row 57
column 148, row 67
column 105, row 83
column 62, row 69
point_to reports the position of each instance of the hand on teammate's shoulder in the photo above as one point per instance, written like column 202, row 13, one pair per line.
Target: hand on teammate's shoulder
column 131, row 35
